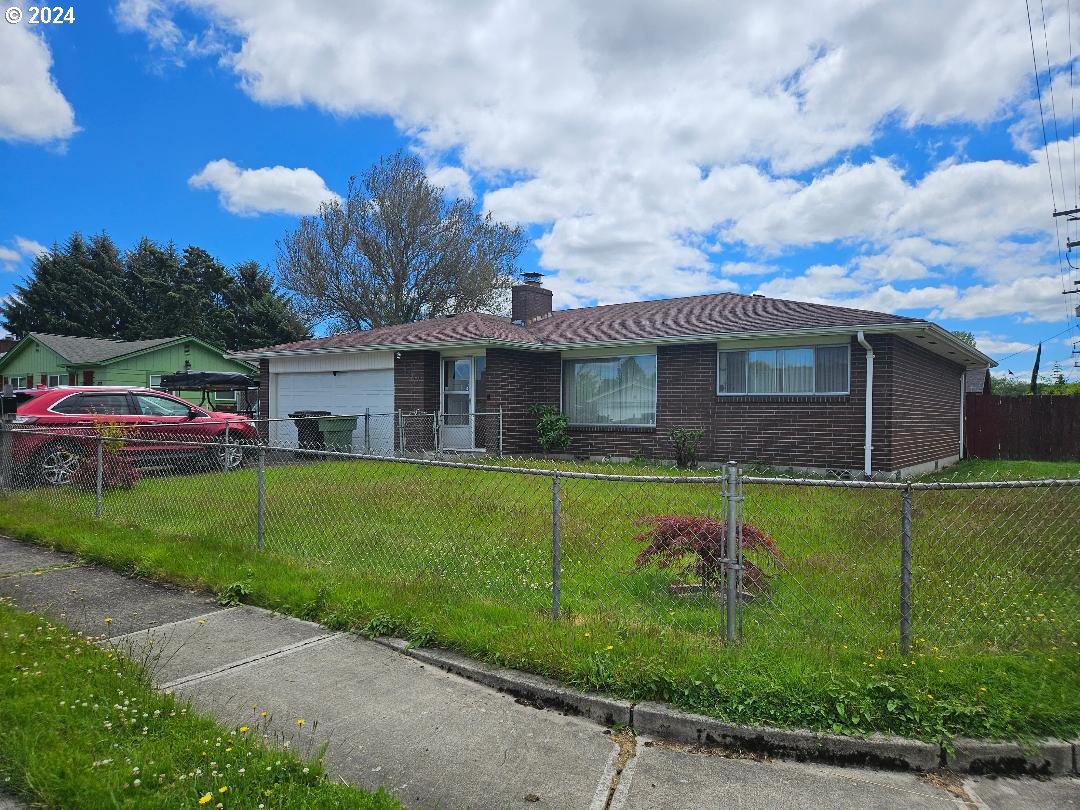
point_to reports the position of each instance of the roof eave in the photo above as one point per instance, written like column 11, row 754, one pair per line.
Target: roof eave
column 870, row 328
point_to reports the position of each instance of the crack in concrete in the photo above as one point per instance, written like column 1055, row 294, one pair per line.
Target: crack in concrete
column 621, row 772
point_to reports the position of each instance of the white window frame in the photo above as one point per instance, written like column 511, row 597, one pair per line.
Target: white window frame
column 61, row 379
column 609, row 357
column 150, row 382
column 224, row 396
column 746, row 384
column 18, row 383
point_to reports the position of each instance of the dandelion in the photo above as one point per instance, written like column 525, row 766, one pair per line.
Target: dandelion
column 264, row 714
column 108, row 620
column 244, row 729
column 300, row 722
column 206, row 799
column 223, row 789
column 611, row 646
column 202, row 621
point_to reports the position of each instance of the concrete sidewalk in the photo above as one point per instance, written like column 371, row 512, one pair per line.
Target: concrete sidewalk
column 432, row 738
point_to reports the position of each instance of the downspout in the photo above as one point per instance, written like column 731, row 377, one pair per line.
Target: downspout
column 868, row 446
column 963, row 409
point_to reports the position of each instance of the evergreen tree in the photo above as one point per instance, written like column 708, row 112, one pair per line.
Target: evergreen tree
column 77, row 289
column 87, row 289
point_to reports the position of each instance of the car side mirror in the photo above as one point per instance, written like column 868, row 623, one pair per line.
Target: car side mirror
column 193, row 414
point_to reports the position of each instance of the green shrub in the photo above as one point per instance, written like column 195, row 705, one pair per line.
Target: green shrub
column 552, row 428
column 686, row 441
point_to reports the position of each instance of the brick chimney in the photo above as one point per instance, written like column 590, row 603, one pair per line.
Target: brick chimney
column 528, row 300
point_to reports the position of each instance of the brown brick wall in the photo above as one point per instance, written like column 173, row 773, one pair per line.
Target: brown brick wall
column 416, row 388
column 916, row 408
column 517, row 380
column 925, row 424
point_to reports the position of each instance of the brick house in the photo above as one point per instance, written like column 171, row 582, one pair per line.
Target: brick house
column 778, row 382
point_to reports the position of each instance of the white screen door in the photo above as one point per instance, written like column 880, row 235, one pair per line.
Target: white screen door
column 457, row 403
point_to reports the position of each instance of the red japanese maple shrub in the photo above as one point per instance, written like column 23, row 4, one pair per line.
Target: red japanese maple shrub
column 672, row 539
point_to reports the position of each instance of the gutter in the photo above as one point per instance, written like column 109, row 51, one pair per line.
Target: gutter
column 868, row 444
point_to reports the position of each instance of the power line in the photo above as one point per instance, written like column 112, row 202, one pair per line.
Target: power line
column 1053, row 105
column 1042, row 114
column 1031, row 346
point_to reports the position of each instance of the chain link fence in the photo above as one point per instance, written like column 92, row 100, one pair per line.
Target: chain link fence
column 937, row 563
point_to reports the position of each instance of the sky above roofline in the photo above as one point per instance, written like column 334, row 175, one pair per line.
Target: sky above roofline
column 875, row 155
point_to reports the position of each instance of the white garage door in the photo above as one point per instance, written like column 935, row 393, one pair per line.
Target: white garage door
column 347, row 393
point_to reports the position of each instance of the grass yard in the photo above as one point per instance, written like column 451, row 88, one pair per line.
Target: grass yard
column 82, row 728
column 461, row 558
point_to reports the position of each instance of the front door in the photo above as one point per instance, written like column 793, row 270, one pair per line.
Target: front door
column 458, row 390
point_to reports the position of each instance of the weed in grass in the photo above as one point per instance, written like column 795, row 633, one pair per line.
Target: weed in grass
column 84, row 729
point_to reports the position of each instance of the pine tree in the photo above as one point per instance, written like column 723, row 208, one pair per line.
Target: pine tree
column 77, row 289
column 87, row 289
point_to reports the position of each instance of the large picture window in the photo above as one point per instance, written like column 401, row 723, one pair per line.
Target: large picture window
column 794, row 370
column 610, row 390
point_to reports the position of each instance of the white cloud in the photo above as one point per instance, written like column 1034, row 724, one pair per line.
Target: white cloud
column 151, row 17
column 273, row 189
column 28, row 247
column 997, row 346
column 454, row 180
column 32, row 108
column 11, row 258
column 647, row 140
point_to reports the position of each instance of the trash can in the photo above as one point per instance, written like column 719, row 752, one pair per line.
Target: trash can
column 308, row 434
column 337, row 433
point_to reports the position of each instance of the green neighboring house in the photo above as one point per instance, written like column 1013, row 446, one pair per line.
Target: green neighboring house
column 43, row 359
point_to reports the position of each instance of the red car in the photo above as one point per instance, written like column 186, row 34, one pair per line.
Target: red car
column 71, row 418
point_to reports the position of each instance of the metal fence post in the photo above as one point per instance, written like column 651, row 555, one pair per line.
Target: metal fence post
column 500, row 432
column 401, row 433
column 732, row 552
column 260, row 522
column 435, row 431
column 6, row 466
column 905, row 572
column 556, row 547
column 99, row 475
column 367, row 431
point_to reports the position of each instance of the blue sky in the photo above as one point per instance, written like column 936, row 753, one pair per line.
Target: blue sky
column 853, row 153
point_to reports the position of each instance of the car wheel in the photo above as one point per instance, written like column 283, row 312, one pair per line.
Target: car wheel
column 57, row 463
column 228, row 455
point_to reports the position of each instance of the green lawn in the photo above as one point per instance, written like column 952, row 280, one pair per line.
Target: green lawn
column 461, row 558
column 82, row 728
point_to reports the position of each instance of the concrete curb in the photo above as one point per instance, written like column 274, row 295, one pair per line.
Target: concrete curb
column 535, row 689
column 659, row 720
column 1046, row 758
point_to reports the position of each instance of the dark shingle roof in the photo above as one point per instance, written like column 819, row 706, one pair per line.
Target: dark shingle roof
column 82, row 350
column 468, row 326
column 726, row 313
column 701, row 315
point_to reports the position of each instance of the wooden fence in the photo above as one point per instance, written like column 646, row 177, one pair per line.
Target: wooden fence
column 1044, row 428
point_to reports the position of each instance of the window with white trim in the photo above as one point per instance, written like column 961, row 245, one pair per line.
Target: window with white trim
column 155, row 382
column 225, row 396
column 54, row 380
column 610, row 390
column 787, row 370
column 18, row 382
